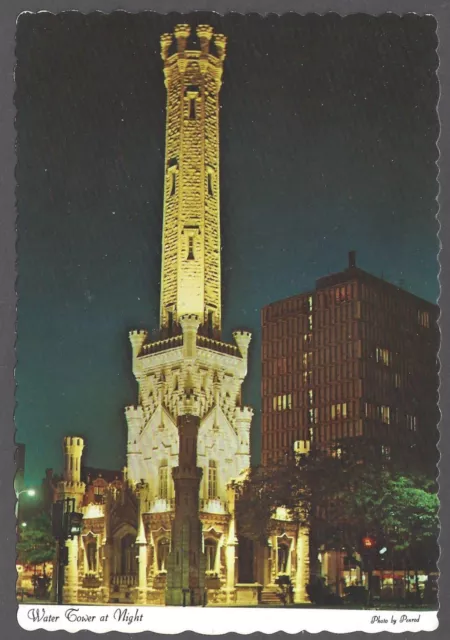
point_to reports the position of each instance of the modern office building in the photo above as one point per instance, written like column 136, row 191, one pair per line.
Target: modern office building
column 355, row 357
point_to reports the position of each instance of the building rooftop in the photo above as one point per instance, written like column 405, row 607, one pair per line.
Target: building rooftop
column 353, row 272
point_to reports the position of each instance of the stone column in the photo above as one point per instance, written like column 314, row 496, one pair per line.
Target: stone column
column 141, row 542
column 107, row 549
column 230, row 546
column 71, row 573
column 186, row 561
column 302, row 570
column 142, row 594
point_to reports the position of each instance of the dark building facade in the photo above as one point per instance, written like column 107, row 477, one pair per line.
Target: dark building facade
column 355, row 357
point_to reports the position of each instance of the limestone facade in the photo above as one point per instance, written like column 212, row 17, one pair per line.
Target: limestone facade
column 172, row 512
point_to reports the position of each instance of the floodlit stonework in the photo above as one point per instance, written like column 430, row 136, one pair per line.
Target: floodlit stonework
column 166, row 532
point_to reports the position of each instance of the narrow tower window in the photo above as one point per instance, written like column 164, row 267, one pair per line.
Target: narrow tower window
column 210, row 322
column 210, row 184
column 163, row 486
column 192, row 114
column 170, row 322
column 212, row 480
column 173, row 183
column 190, row 248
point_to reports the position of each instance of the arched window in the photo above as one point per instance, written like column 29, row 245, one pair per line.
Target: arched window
column 210, row 554
column 212, row 479
column 91, row 555
column 163, row 480
column 128, row 555
column 163, row 549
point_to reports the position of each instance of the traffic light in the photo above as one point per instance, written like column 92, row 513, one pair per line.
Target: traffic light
column 368, row 543
column 64, row 557
column 373, row 551
column 57, row 519
column 74, row 524
column 368, row 550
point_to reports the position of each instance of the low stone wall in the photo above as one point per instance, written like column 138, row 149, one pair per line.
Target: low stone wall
column 248, row 594
column 89, row 595
column 156, row 597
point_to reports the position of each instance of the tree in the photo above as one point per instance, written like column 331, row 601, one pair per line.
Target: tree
column 296, row 484
column 410, row 521
column 343, row 495
column 36, row 544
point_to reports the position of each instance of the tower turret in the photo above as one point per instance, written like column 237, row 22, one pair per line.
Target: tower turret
column 243, row 339
column 137, row 339
column 73, row 449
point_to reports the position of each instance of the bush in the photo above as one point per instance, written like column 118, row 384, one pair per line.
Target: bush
column 285, row 589
column 356, row 595
column 41, row 585
column 320, row 593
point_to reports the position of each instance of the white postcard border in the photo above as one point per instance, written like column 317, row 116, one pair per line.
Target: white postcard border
column 217, row 621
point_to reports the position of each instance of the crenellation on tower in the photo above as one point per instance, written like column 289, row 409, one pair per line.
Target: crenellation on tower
column 137, row 340
column 182, row 33
column 166, row 40
column 73, row 449
column 204, row 33
column 221, row 45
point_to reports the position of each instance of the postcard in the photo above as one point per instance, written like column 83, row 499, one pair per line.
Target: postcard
column 227, row 339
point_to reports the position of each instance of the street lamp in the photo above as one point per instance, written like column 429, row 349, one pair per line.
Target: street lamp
column 29, row 492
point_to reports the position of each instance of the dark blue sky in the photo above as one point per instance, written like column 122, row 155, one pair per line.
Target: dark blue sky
column 328, row 143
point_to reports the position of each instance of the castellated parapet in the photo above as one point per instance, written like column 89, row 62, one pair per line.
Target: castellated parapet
column 244, row 415
column 73, row 450
column 189, row 324
column 137, row 339
column 242, row 339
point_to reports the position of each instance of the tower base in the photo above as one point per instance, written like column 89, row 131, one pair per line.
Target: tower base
column 177, row 597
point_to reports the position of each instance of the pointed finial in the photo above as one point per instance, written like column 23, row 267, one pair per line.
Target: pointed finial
column 166, row 40
column 204, row 32
column 182, row 32
column 221, row 45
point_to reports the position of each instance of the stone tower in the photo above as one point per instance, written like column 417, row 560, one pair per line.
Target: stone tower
column 190, row 280
column 72, row 487
column 188, row 436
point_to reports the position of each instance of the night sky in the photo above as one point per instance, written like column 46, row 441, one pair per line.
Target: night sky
column 328, row 143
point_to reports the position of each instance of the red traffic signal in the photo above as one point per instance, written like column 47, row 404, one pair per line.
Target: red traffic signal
column 368, row 542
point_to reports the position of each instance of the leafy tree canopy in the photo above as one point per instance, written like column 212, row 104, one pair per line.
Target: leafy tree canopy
column 343, row 496
column 36, row 544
